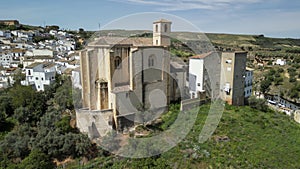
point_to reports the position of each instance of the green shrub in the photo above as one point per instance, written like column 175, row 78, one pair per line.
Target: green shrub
column 259, row 104
column 292, row 80
column 280, row 70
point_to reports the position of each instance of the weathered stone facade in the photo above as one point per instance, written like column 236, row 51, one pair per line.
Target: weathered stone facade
column 233, row 69
column 122, row 77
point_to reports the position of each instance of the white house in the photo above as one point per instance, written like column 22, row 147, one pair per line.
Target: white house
column 6, row 59
column 282, row 102
column 6, row 41
column 6, row 77
column 53, row 32
column 16, row 53
column 39, row 52
column 65, row 45
column 21, row 34
column 39, row 75
column 280, row 62
column 216, row 75
column 14, row 64
column 61, row 33
column 15, row 32
column 204, row 75
column 68, row 63
column 248, row 82
column 7, row 34
column 3, row 82
column 26, row 61
column 5, row 47
column 73, row 56
column 6, row 81
column 196, row 68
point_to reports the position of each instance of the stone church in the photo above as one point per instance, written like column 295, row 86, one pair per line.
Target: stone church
column 125, row 81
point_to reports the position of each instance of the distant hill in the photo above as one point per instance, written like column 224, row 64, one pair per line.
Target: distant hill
column 233, row 41
column 255, row 41
column 224, row 40
column 19, row 27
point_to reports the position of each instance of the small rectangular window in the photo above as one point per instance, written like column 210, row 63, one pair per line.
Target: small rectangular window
column 227, row 88
column 36, row 78
column 229, row 61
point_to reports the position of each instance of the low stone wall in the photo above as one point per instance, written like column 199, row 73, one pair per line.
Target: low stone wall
column 297, row 116
column 95, row 123
column 191, row 103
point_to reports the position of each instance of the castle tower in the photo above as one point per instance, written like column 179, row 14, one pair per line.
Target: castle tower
column 161, row 33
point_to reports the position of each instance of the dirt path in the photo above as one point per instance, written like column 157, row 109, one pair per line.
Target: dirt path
column 287, row 75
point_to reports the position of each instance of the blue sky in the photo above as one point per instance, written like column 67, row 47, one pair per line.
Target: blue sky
column 275, row 18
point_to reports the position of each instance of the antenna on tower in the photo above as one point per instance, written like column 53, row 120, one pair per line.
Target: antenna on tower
column 99, row 25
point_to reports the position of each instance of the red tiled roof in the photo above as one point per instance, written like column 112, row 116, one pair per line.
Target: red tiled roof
column 201, row 56
column 162, row 20
column 136, row 41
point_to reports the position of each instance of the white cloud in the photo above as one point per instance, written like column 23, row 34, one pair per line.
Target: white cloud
column 177, row 5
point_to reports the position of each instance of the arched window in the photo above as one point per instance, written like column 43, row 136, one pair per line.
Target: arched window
column 151, row 60
column 118, row 62
column 166, row 28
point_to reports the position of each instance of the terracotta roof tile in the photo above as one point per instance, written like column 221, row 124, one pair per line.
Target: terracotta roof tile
column 134, row 41
column 201, row 56
column 162, row 20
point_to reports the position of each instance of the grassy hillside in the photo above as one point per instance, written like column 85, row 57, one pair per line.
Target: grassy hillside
column 256, row 41
column 254, row 139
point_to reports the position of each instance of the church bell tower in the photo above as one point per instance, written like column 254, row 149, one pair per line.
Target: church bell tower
column 161, row 33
